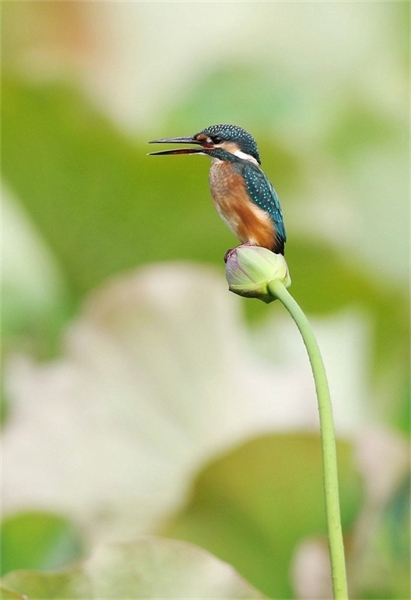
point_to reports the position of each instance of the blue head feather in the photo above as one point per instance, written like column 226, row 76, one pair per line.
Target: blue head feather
column 233, row 133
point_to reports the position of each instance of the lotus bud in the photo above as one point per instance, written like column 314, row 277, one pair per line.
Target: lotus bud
column 249, row 270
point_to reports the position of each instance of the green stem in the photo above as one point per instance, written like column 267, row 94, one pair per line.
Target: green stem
column 329, row 451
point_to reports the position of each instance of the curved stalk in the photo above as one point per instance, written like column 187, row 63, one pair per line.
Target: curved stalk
column 329, row 451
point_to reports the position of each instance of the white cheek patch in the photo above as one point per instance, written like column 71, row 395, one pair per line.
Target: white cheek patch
column 245, row 156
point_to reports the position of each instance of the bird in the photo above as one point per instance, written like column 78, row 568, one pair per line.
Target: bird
column 241, row 192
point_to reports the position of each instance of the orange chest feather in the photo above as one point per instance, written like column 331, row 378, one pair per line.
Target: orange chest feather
column 245, row 219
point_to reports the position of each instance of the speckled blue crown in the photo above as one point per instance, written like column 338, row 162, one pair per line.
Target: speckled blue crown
column 233, row 133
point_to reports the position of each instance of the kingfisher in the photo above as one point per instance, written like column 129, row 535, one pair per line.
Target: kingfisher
column 241, row 192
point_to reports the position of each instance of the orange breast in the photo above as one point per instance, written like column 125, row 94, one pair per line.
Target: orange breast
column 245, row 219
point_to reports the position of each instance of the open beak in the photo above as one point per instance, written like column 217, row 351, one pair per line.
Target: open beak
column 178, row 140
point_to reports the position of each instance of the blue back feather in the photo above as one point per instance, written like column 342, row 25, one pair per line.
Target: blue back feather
column 264, row 195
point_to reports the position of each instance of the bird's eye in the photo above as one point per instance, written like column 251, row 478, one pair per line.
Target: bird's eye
column 217, row 139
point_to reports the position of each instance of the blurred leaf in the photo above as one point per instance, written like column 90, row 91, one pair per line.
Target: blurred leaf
column 95, row 196
column 35, row 299
column 30, row 328
column 146, row 568
column 33, row 585
column 358, row 128
column 36, row 540
column 213, row 98
column 386, row 572
column 252, row 506
column 7, row 594
column 397, row 518
column 325, row 282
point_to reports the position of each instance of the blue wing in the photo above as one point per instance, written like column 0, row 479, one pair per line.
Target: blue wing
column 264, row 195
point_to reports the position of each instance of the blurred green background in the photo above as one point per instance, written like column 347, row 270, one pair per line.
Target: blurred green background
column 323, row 89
